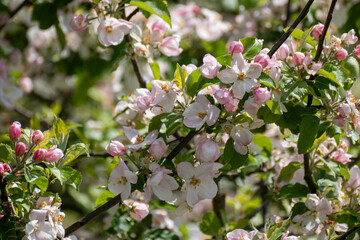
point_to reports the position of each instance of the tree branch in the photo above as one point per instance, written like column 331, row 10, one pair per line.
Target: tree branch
column 285, row 36
column 288, row 13
column 14, row 12
column 345, row 235
column 308, row 173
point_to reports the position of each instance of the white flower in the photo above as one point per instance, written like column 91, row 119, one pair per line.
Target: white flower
column 111, row 31
column 242, row 137
column 36, row 230
column 242, row 74
column 120, row 180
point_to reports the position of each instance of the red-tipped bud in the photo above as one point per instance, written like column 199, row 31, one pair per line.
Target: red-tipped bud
column 15, row 131
column 40, row 154
column 20, row 148
column 37, row 137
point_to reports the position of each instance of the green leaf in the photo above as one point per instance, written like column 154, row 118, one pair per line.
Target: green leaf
column 47, row 135
column 232, row 160
column 104, row 198
column 345, row 173
column 42, row 183
column 298, row 34
column 267, row 80
column 32, row 174
column 244, row 117
column 180, row 76
column 73, row 152
column 296, row 190
column 308, row 132
column 264, row 142
column 160, row 234
column 305, row 36
column 352, row 66
column 252, row 46
column 61, row 36
column 267, row 115
column 325, row 83
column 5, row 153
column 329, row 75
column 274, row 107
column 288, row 172
column 225, row 60
column 59, row 128
column 75, row 180
column 62, row 174
column 158, row 7
column 193, row 82
column 155, row 68
column 34, row 122
column 298, row 209
column 210, row 224
column 45, row 14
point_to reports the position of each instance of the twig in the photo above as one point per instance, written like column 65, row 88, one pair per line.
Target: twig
column 345, row 235
column 14, row 12
column 132, row 14
column 75, row 226
column 288, row 13
column 285, row 36
column 308, row 173
column 218, row 205
column 96, row 154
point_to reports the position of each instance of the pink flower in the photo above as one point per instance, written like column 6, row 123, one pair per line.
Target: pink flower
column 210, row 67
column 20, row 148
column 232, row 105
column 311, row 67
column 40, row 154
column 354, row 181
column 120, row 180
column 357, row 51
column 37, row 137
column 349, row 38
column 170, row 47
column 207, row 151
column 262, row 95
column 317, row 30
column 283, row 52
column 158, row 149
column 15, row 131
column 199, row 183
column 242, row 137
column 242, row 74
column 116, row 148
column 4, row 168
column 341, row 156
column 143, row 100
column 53, row 154
column 79, row 23
column 341, row 53
column 222, row 95
column 263, row 59
column 111, row 31
column 236, row 47
column 138, row 210
column 298, row 58
column 164, row 95
column 240, row 234
column 199, row 112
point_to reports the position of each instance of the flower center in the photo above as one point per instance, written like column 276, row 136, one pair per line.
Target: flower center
column 165, row 87
column 109, row 29
column 195, row 181
column 309, row 66
column 42, row 205
column 201, row 115
column 241, row 76
column 121, row 180
column 139, row 139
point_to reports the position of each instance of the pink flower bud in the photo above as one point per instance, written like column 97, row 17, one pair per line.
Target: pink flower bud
column 262, row 94
column 283, row 52
column 79, row 23
column 210, row 67
column 116, row 148
column 223, row 96
column 232, row 105
column 342, row 54
column 263, row 59
column 53, row 154
column 207, row 151
column 170, row 47
column 25, row 84
column 158, row 148
column 298, row 58
column 236, row 47
column 339, row 121
column 6, row 167
column 15, row 131
column 40, row 154
column 37, row 137
column 317, row 30
column 357, row 51
column 20, row 148
column 139, row 210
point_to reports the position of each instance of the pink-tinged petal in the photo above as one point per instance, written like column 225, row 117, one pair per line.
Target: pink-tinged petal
column 212, row 115
column 207, row 189
column 196, row 123
column 38, row 214
column 171, row 181
column 185, row 170
column 238, row 62
column 126, row 192
column 116, row 37
column 240, row 148
column 192, row 197
column 162, row 191
column 116, row 188
column 203, row 101
column 227, row 75
column 151, row 137
column 157, row 178
column 131, row 133
column 238, row 89
column 125, row 26
column 203, row 170
column 130, row 176
column 254, row 70
column 102, row 35
column 241, row 135
column 249, row 84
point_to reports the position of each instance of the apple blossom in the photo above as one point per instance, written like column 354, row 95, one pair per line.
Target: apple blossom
column 26, row 84
column 199, row 112
column 20, row 148
column 120, row 180
column 138, row 210
column 37, row 137
column 242, row 74
column 40, row 154
column 283, row 52
column 111, row 31
column 189, row 68
column 116, row 148
column 298, row 58
column 207, row 151
column 236, row 47
column 357, row 51
column 15, row 131
column 79, row 23
column 311, row 67
column 158, row 149
column 210, row 67
column 53, row 154
column 240, row 234
column 349, row 38
column 317, row 31
column 341, row 54
column 262, row 95
column 263, row 59
column 354, row 181
column 170, row 46
column 242, row 137
column 164, row 95
column 232, row 105
column 341, row 156
column 222, row 95
column 36, row 230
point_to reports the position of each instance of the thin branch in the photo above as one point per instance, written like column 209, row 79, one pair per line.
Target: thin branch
column 285, row 36
column 219, row 204
column 308, row 173
column 288, row 13
column 75, row 226
column 345, row 235
column 14, row 12
column 132, row 14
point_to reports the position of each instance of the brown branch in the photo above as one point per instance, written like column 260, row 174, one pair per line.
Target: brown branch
column 14, row 12
column 286, row 35
column 345, row 235
column 132, row 14
column 288, row 13
column 308, row 173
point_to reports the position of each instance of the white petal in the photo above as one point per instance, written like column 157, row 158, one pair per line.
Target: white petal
column 227, row 75
column 185, row 170
column 207, row 189
column 254, row 70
